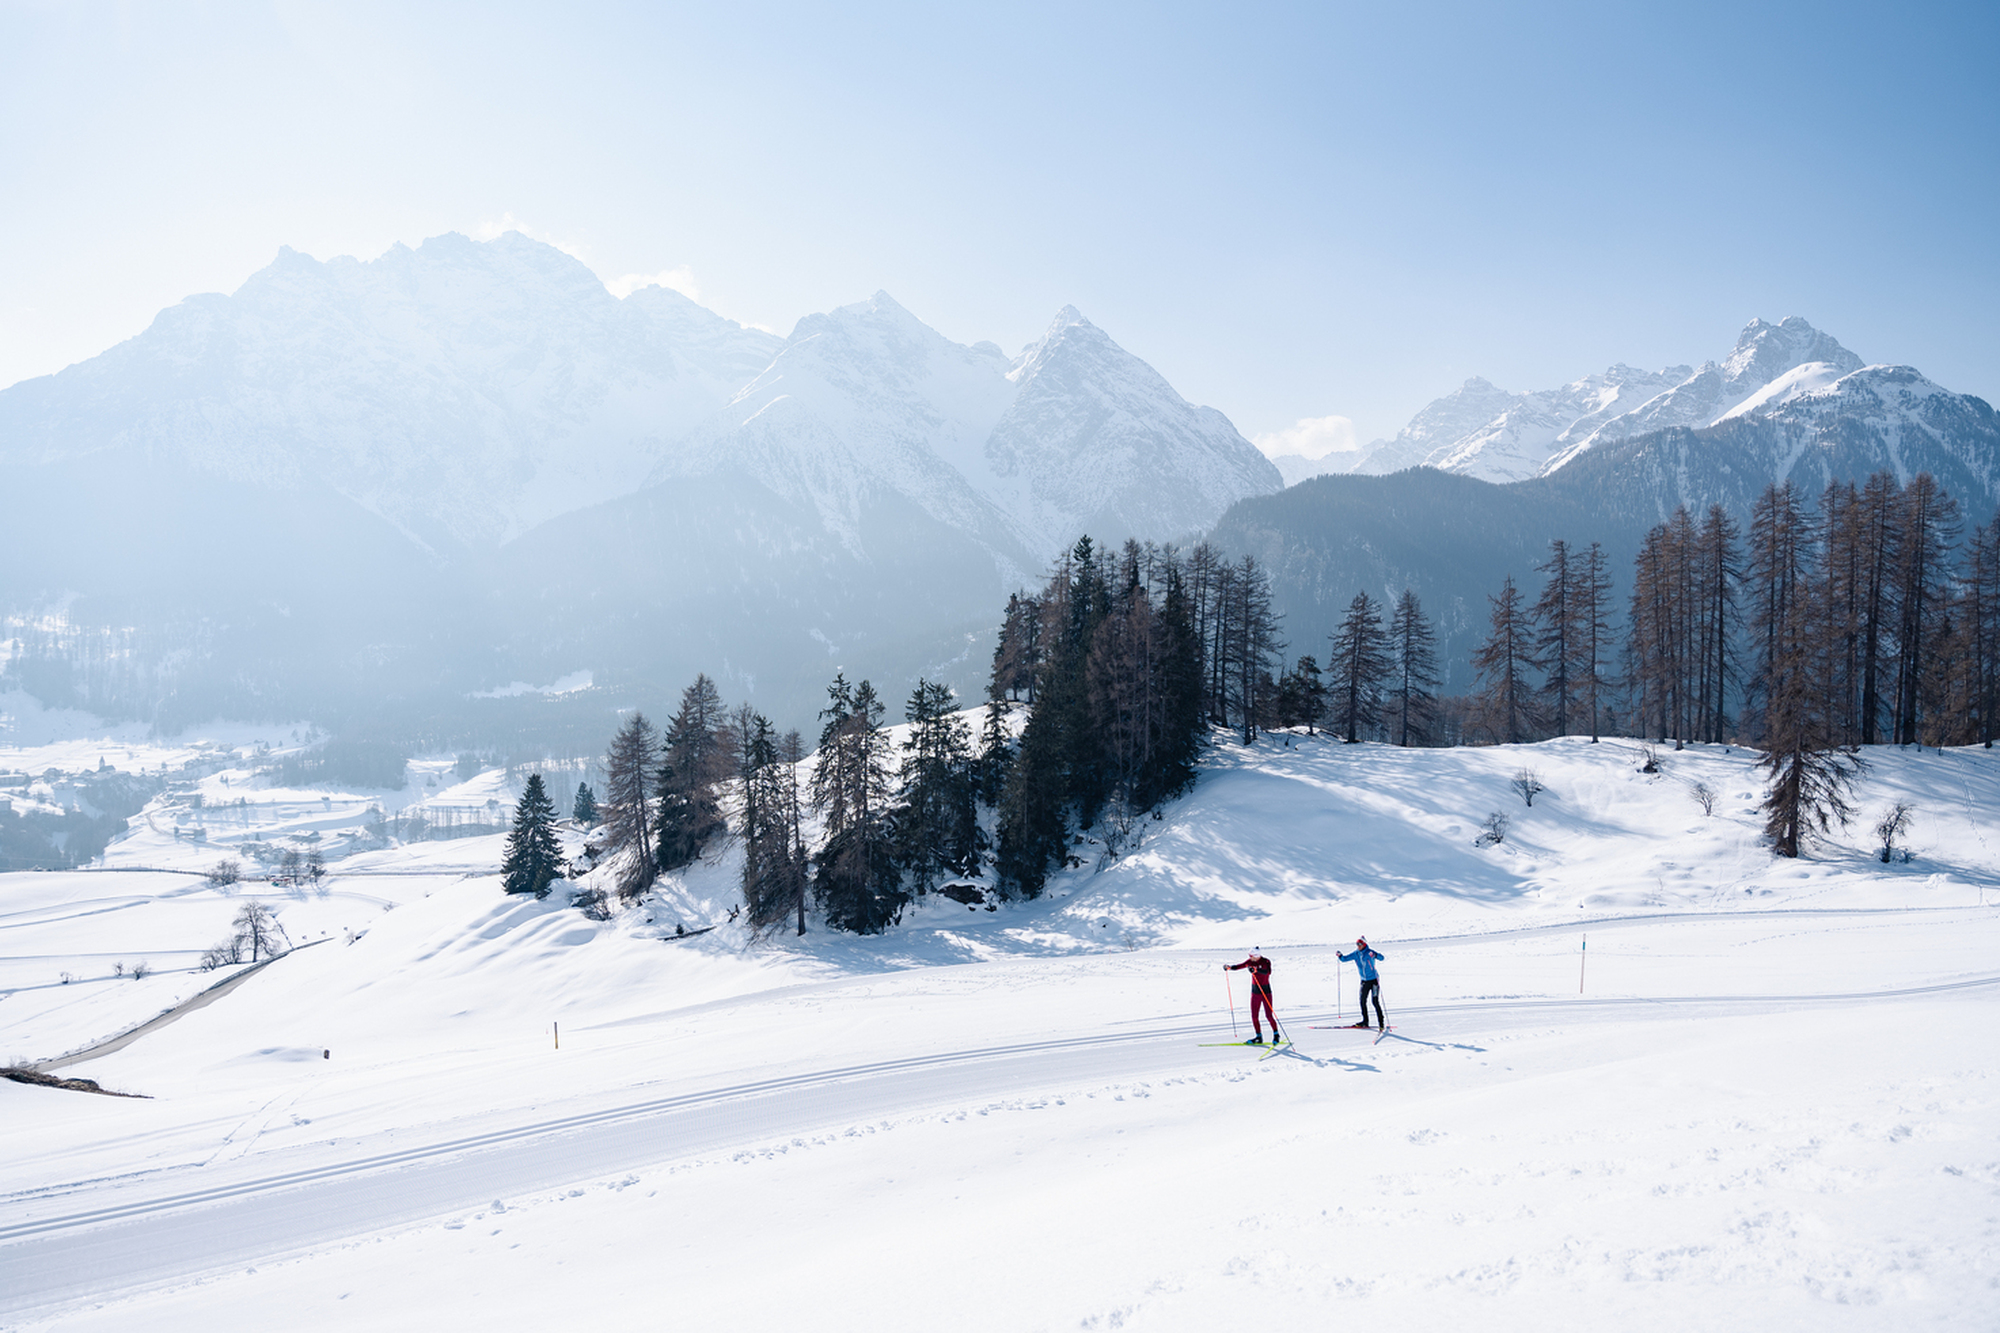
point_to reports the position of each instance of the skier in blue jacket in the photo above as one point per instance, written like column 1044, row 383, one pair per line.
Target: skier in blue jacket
column 1365, row 958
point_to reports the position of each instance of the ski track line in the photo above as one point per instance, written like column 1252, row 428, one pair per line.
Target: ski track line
column 148, row 1241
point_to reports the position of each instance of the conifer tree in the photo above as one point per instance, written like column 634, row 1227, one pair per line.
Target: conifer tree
column 858, row 885
column 936, row 815
column 584, row 811
column 1780, row 542
column 699, row 758
column 1413, row 657
column 996, row 752
column 1930, row 526
column 1359, row 663
column 1981, row 619
column 1505, row 702
column 1017, row 657
column 1302, row 694
column 1250, row 642
column 772, row 870
column 628, row 824
column 534, row 857
column 1032, row 829
column 1879, row 518
column 1178, row 747
column 1555, row 616
column 1717, row 568
column 1593, row 598
column 1810, row 779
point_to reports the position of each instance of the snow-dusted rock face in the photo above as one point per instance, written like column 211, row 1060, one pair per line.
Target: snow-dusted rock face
column 1809, row 432
column 464, row 391
column 1096, row 441
column 1485, row 432
column 867, row 408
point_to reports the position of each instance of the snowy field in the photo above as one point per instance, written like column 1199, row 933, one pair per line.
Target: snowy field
column 1765, row 1095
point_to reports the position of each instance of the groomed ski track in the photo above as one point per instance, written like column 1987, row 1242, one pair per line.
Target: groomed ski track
column 95, row 1238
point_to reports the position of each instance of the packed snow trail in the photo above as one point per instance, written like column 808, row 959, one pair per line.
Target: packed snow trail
column 148, row 1231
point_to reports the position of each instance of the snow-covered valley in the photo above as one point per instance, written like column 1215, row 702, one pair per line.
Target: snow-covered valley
column 1641, row 1072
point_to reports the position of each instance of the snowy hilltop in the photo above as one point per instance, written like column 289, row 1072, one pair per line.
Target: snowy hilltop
column 1484, row 431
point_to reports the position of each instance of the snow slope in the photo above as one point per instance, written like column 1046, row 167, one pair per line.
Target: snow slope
column 1765, row 1090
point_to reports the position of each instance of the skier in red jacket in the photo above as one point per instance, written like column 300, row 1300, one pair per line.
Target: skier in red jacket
column 1260, row 994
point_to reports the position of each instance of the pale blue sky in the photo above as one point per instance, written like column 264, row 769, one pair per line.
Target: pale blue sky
column 1289, row 210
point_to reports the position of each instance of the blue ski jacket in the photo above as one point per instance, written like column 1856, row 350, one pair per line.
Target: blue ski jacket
column 1363, row 958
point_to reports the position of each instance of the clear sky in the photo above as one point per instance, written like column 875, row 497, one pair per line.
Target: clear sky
column 1290, row 211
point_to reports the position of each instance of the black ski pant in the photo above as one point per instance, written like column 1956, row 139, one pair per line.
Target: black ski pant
column 1371, row 989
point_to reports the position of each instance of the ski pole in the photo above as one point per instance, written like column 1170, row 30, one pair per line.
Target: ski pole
column 1232, row 1005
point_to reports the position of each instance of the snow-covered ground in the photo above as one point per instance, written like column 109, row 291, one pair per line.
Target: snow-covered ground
column 1764, row 1095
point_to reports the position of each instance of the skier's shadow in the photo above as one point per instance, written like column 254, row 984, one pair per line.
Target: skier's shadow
column 1326, row 1061
column 1432, row 1045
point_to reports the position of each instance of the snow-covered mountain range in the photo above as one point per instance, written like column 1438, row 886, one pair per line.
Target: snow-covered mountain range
column 469, row 463
column 467, row 392
column 1481, row 430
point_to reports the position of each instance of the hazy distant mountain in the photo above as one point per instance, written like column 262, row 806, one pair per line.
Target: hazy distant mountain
column 1076, row 435
column 1487, row 432
column 462, row 391
column 467, row 463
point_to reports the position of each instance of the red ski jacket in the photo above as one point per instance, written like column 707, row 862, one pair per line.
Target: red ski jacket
column 1260, row 972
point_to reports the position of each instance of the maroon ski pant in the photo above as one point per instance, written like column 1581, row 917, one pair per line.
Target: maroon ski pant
column 1261, row 999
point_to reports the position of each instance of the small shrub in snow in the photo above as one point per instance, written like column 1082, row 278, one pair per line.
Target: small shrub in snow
column 141, row 970
column 1893, row 825
column 1495, row 831
column 224, row 954
column 1650, row 759
column 1527, row 782
column 1704, row 796
column 593, row 903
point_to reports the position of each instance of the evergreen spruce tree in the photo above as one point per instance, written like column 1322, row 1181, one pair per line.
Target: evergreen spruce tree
column 859, row 883
column 936, row 814
column 1182, row 726
column 628, row 823
column 584, row 811
column 1033, row 833
column 534, row 858
column 769, row 829
column 699, row 758
column 1302, row 694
